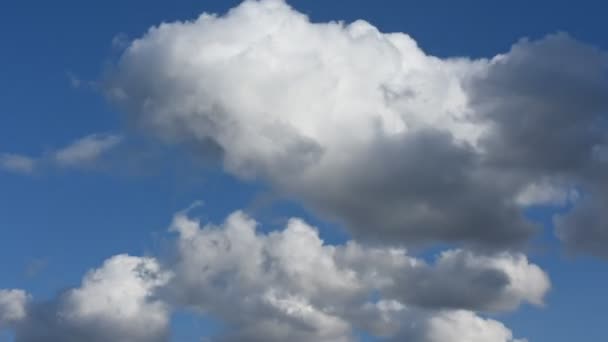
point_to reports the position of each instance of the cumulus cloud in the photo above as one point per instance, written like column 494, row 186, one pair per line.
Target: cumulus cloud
column 460, row 279
column 366, row 129
column 12, row 306
column 83, row 152
column 283, row 285
column 464, row 326
column 114, row 303
column 547, row 193
column 291, row 285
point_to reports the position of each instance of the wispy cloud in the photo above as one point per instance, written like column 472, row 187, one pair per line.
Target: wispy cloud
column 83, row 152
column 17, row 163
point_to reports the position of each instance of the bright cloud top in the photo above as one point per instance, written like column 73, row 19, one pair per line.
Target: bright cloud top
column 365, row 128
column 283, row 285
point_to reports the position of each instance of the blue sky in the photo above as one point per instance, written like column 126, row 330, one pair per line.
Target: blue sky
column 59, row 222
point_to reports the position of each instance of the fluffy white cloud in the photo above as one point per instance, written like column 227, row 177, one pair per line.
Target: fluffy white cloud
column 547, row 193
column 12, row 306
column 367, row 129
column 114, row 303
column 282, row 285
column 291, row 285
column 465, row 326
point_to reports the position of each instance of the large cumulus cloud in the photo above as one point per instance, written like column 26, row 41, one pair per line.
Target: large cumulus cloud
column 291, row 285
column 283, row 285
column 365, row 128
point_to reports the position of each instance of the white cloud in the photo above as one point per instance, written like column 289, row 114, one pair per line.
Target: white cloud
column 282, row 285
column 12, row 306
column 365, row 128
column 291, row 285
column 114, row 303
column 465, row 326
column 85, row 150
column 119, row 293
column 17, row 163
column 547, row 193
column 460, row 279
column 120, row 41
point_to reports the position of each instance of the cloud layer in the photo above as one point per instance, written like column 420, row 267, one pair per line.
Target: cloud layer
column 366, row 129
column 283, row 285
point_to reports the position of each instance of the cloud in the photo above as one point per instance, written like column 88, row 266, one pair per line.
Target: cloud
column 545, row 101
column 120, row 41
column 280, row 285
column 464, row 326
column 584, row 230
column 12, row 306
column 17, row 163
column 460, row 279
column 291, row 285
column 83, row 152
column 86, row 150
column 545, row 192
column 114, row 303
column 35, row 266
column 366, row 129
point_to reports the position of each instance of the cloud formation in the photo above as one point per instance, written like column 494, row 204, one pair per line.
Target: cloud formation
column 17, row 163
column 114, row 303
column 291, row 285
column 12, row 306
column 366, row 129
column 83, row 152
column 86, row 150
column 283, row 285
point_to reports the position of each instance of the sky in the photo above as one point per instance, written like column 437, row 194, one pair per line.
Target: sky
column 356, row 170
